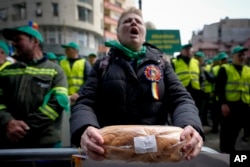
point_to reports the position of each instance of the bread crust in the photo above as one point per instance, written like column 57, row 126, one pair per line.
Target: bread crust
column 119, row 143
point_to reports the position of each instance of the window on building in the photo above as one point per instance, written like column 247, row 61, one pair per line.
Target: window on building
column 85, row 14
column 3, row 14
column 20, row 11
column 119, row 4
column 90, row 2
column 39, row 12
column 55, row 9
column 51, row 36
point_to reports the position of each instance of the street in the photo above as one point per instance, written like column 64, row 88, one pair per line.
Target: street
column 212, row 140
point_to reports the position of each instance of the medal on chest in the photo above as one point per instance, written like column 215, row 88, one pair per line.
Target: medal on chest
column 153, row 74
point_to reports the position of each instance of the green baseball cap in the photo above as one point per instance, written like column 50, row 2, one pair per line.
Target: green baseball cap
column 9, row 33
column 92, row 55
column 216, row 58
column 4, row 47
column 72, row 45
column 199, row 54
column 51, row 56
column 238, row 49
column 222, row 55
column 186, row 46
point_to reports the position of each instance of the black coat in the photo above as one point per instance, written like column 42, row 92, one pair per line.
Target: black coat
column 123, row 95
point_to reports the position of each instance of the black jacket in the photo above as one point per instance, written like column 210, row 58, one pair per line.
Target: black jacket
column 123, row 95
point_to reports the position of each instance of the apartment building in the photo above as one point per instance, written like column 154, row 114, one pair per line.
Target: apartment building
column 87, row 22
column 222, row 36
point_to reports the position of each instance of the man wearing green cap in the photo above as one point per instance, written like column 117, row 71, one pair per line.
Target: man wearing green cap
column 219, row 59
column 206, row 87
column 188, row 70
column 92, row 59
column 34, row 94
column 233, row 90
column 76, row 69
column 51, row 56
column 4, row 52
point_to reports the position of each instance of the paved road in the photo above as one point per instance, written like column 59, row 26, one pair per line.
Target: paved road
column 212, row 140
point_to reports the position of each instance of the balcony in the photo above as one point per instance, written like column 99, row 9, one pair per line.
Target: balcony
column 112, row 7
column 108, row 20
column 110, row 35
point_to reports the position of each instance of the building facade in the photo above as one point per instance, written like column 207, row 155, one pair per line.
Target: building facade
column 222, row 36
column 62, row 21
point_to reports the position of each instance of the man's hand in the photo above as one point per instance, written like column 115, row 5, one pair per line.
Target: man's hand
column 193, row 146
column 91, row 142
column 225, row 110
column 16, row 130
column 73, row 98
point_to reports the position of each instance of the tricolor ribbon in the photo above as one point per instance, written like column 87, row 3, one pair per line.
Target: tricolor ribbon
column 155, row 90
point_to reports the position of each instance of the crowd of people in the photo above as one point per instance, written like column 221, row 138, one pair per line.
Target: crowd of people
column 132, row 84
column 220, row 89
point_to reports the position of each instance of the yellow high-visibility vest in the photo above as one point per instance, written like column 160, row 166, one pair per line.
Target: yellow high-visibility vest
column 75, row 75
column 237, row 86
column 208, row 85
column 188, row 73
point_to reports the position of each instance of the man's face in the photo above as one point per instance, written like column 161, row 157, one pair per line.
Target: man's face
column 186, row 52
column 24, row 45
column 131, row 31
column 71, row 52
column 239, row 58
column 2, row 56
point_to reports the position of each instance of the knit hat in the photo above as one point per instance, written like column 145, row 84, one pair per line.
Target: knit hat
column 9, row 33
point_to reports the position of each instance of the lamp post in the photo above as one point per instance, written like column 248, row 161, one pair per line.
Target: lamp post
column 140, row 4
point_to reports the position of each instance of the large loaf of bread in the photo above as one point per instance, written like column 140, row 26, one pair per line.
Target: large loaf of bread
column 149, row 144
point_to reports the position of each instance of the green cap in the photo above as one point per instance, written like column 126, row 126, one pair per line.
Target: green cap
column 51, row 56
column 72, row 45
column 216, row 58
column 92, row 55
column 222, row 55
column 186, row 46
column 209, row 61
column 9, row 33
column 199, row 54
column 4, row 47
column 238, row 49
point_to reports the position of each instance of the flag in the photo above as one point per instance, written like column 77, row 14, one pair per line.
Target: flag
column 34, row 25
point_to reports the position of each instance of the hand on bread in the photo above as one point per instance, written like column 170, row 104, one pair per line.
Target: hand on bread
column 193, row 146
column 92, row 143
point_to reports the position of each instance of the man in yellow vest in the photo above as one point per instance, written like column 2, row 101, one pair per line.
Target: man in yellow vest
column 200, row 56
column 4, row 52
column 76, row 69
column 220, row 59
column 188, row 70
column 233, row 89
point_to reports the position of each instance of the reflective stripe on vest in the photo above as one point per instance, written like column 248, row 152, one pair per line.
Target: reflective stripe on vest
column 30, row 71
column 48, row 111
column 187, row 74
column 237, row 86
column 74, row 75
column 4, row 65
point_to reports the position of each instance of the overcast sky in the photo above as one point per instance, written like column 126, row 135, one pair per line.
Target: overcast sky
column 192, row 15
